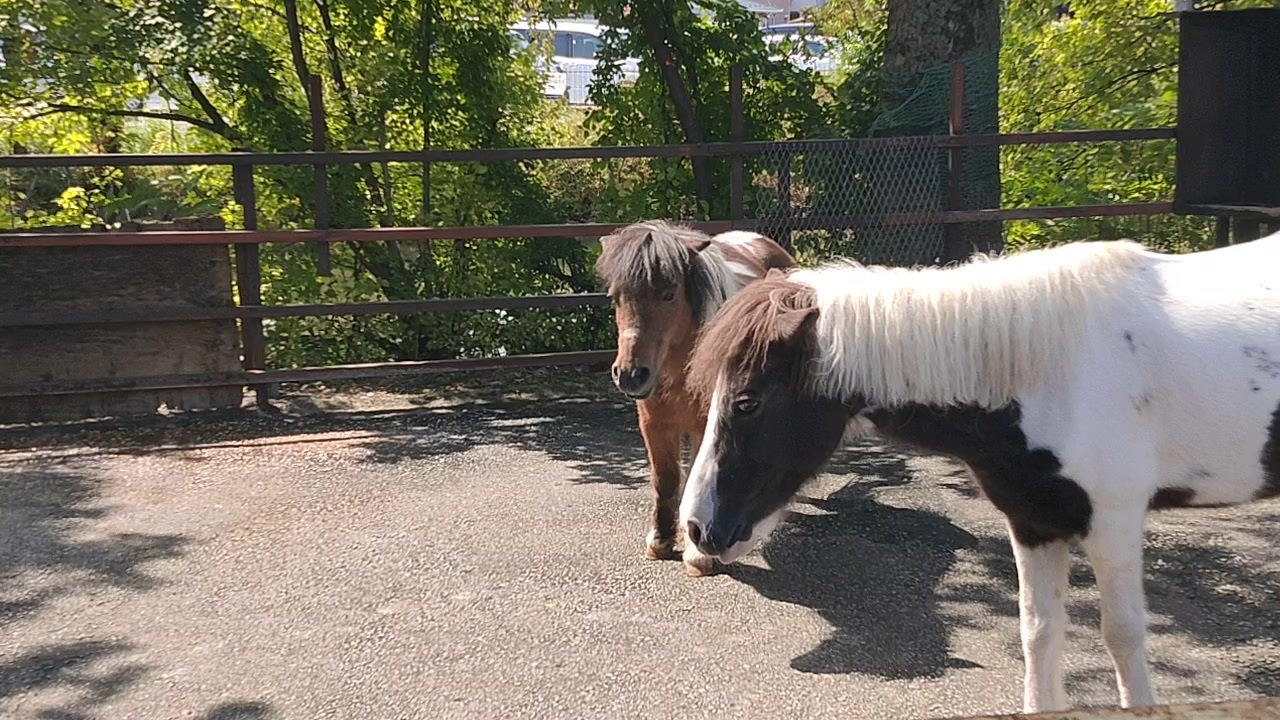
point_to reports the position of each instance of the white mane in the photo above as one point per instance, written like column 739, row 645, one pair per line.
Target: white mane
column 977, row 333
column 725, row 279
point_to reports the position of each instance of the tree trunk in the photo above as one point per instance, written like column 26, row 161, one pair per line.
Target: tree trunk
column 929, row 35
column 657, row 34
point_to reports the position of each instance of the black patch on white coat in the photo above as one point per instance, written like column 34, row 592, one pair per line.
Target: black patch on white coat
column 1262, row 361
column 1024, row 483
column 1271, row 459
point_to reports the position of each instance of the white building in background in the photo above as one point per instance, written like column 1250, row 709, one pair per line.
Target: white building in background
column 780, row 11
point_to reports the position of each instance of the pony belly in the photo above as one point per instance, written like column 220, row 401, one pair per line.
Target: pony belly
column 1217, row 428
column 1223, row 457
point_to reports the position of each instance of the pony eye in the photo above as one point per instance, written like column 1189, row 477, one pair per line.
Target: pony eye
column 745, row 406
column 669, row 296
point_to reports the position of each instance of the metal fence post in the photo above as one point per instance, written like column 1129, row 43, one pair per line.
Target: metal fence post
column 1222, row 228
column 249, row 281
column 1245, row 229
column 784, row 200
column 319, row 139
column 737, row 133
column 953, row 245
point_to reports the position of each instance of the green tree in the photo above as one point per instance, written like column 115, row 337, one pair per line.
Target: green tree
column 1090, row 64
column 392, row 73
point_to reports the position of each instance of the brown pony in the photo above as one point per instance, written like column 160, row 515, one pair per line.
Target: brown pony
column 665, row 281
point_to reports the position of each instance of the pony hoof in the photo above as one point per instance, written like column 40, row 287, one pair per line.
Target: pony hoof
column 698, row 565
column 656, row 548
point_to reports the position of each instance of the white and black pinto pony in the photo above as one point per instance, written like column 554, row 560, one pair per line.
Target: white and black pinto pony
column 1082, row 385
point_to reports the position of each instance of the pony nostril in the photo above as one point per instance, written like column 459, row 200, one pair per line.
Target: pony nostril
column 615, row 372
column 640, row 375
column 694, row 531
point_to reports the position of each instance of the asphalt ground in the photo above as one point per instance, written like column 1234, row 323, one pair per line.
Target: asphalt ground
column 443, row 551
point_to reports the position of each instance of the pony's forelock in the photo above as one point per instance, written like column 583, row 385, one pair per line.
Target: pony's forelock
column 646, row 255
column 738, row 339
column 658, row 254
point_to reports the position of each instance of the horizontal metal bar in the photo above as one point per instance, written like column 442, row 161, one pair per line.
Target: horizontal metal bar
column 716, row 149
column 239, row 237
column 953, row 217
column 106, row 316
column 487, row 232
column 1062, row 137
column 312, row 374
column 1271, row 212
column 1058, row 212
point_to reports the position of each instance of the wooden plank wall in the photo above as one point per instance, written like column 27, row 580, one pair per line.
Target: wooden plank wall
column 78, row 278
column 1261, row 709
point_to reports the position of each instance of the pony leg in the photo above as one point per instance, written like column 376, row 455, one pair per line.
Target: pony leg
column 1114, row 546
column 1042, row 585
column 662, row 444
column 697, row 564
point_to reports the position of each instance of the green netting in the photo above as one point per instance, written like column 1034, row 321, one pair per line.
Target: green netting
column 927, row 108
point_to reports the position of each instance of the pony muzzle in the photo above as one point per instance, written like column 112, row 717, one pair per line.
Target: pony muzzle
column 725, row 540
column 635, row 381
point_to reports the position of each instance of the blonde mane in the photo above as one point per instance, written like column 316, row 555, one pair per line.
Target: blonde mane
column 977, row 333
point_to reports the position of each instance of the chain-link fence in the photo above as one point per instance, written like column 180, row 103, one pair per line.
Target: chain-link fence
column 874, row 201
column 879, row 200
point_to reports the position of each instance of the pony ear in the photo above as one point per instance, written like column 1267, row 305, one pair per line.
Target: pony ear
column 774, row 273
column 791, row 323
column 699, row 245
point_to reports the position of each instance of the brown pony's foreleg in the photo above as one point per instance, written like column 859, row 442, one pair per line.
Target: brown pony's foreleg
column 662, row 436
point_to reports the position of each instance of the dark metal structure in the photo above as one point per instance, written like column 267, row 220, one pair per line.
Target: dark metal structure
column 1228, row 163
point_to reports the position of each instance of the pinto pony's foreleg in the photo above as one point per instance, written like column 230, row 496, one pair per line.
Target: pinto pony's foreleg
column 1043, row 572
column 662, row 440
column 697, row 564
column 1114, row 546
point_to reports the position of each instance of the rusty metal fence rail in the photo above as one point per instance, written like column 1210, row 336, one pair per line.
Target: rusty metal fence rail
column 250, row 312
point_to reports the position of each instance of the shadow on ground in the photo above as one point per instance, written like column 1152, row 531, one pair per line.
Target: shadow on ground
column 870, row 570
column 575, row 417
column 77, row 666
column 240, row 711
column 47, row 552
column 1196, row 590
column 873, row 571
column 44, row 507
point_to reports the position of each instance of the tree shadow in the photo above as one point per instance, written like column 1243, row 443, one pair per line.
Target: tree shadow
column 1210, row 593
column 577, row 418
column 43, row 507
column 1203, row 593
column 240, row 710
column 48, row 550
column 870, row 570
column 71, row 665
column 599, row 437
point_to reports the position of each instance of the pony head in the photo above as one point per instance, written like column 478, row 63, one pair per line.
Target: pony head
column 767, row 432
column 661, row 292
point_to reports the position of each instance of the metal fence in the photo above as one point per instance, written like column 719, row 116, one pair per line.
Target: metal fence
column 900, row 197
